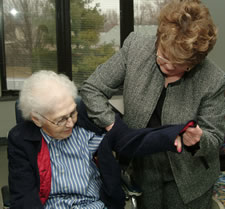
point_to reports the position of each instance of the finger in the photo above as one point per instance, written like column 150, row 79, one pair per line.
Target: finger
column 178, row 144
column 194, row 131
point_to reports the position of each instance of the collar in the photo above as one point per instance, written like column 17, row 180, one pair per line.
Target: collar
column 47, row 138
column 30, row 131
column 175, row 82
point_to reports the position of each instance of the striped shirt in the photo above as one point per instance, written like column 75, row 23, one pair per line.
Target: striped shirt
column 75, row 179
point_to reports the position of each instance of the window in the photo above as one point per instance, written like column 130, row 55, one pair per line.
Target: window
column 145, row 15
column 29, row 39
column 95, row 35
column 71, row 37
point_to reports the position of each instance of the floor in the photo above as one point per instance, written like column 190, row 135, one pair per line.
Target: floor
column 219, row 187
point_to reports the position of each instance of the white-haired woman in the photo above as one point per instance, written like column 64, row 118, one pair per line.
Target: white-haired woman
column 50, row 156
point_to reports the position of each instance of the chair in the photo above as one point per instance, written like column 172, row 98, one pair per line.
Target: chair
column 5, row 197
column 132, row 191
column 5, row 189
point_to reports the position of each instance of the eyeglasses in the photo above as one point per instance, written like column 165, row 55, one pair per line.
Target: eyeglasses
column 164, row 59
column 64, row 119
column 184, row 67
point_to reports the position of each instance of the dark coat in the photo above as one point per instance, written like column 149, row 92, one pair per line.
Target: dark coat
column 24, row 143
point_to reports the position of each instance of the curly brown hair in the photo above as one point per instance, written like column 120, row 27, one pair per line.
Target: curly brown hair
column 186, row 32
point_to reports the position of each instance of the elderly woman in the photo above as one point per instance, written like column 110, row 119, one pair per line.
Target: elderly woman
column 168, row 79
column 50, row 157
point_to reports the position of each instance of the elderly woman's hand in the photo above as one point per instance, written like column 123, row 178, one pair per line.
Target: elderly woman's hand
column 192, row 136
column 108, row 128
column 178, row 143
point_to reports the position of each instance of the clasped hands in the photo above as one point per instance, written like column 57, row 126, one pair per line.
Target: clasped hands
column 190, row 137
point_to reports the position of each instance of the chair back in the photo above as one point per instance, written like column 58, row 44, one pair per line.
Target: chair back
column 19, row 117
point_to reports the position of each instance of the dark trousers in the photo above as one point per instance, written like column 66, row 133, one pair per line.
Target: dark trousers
column 159, row 187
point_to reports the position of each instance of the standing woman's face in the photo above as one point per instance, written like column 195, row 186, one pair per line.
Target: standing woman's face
column 169, row 68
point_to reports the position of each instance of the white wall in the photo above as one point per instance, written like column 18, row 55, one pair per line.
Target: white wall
column 7, row 117
column 217, row 8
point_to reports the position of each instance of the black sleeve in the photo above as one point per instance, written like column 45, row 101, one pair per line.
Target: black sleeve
column 84, row 121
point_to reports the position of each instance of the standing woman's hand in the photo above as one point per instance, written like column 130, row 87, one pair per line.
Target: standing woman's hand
column 192, row 136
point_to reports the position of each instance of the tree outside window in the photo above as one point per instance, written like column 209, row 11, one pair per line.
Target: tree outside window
column 30, row 39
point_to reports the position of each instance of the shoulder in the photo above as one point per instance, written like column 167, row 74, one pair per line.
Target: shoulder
column 22, row 132
column 213, row 75
column 18, row 129
column 84, row 121
column 211, row 68
column 207, row 75
column 84, row 133
column 140, row 39
column 138, row 48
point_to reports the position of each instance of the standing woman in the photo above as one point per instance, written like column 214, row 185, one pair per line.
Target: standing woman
column 168, row 79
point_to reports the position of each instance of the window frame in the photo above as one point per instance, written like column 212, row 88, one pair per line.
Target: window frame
column 63, row 38
column 2, row 50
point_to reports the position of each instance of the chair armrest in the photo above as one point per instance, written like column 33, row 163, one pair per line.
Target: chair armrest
column 129, row 186
column 5, row 196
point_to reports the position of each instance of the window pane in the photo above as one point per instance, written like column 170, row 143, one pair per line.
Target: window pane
column 95, row 35
column 30, row 39
column 145, row 15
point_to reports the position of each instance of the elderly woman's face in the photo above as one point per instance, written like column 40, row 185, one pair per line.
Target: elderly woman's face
column 60, row 122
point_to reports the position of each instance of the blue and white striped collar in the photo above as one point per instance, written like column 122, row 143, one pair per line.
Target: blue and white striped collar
column 47, row 138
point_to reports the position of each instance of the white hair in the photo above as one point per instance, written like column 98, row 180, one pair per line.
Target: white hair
column 42, row 90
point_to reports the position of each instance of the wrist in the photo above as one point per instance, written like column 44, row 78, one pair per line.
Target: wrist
column 108, row 128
